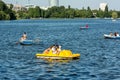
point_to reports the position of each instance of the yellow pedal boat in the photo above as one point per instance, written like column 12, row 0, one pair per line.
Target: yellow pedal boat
column 63, row 55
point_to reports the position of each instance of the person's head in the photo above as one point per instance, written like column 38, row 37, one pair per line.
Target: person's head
column 24, row 32
column 57, row 45
column 54, row 48
column 60, row 47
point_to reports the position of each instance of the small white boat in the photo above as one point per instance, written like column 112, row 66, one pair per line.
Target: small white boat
column 85, row 27
column 106, row 36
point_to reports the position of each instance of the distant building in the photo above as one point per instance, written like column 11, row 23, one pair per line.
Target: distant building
column 29, row 6
column 102, row 6
column 44, row 8
column 53, row 3
column 33, row 6
column 17, row 7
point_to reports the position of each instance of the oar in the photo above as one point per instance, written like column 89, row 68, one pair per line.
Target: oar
column 17, row 42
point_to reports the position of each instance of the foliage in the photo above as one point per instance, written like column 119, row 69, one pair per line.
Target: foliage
column 62, row 12
column 114, row 15
column 5, row 12
column 35, row 12
column 55, row 12
column 4, row 16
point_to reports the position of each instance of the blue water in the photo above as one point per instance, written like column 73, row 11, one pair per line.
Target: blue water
column 99, row 60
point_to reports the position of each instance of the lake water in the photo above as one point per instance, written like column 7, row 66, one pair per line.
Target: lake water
column 99, row 60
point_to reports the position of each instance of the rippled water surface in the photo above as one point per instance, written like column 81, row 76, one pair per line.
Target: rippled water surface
column 99, row 60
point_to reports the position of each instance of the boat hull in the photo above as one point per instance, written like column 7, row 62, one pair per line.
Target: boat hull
column 83, row 28
column 111, row 37
column 26, row 42
column 63, row 55
column 75, row 56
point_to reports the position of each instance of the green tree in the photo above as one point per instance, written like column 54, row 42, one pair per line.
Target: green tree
column 100, row 13
column 118, row 14
column 22, row 15
column 106, row 12
column 83, row 13
column 69, row 7
column 89, row 13
column 37, row 12
column 31, row 12
column 2, row 15
column 12, row 16
column 3, row 6
column 77, row 13
column 6, row 13
column 11, row 6
column 114, row 15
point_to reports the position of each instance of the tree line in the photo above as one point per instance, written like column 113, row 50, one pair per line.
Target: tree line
column 55, row 12
column 5, row 12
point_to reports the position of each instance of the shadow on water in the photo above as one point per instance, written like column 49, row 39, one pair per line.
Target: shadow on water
column 58, row 60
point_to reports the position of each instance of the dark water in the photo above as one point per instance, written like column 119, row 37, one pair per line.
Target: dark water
column 99, row 60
